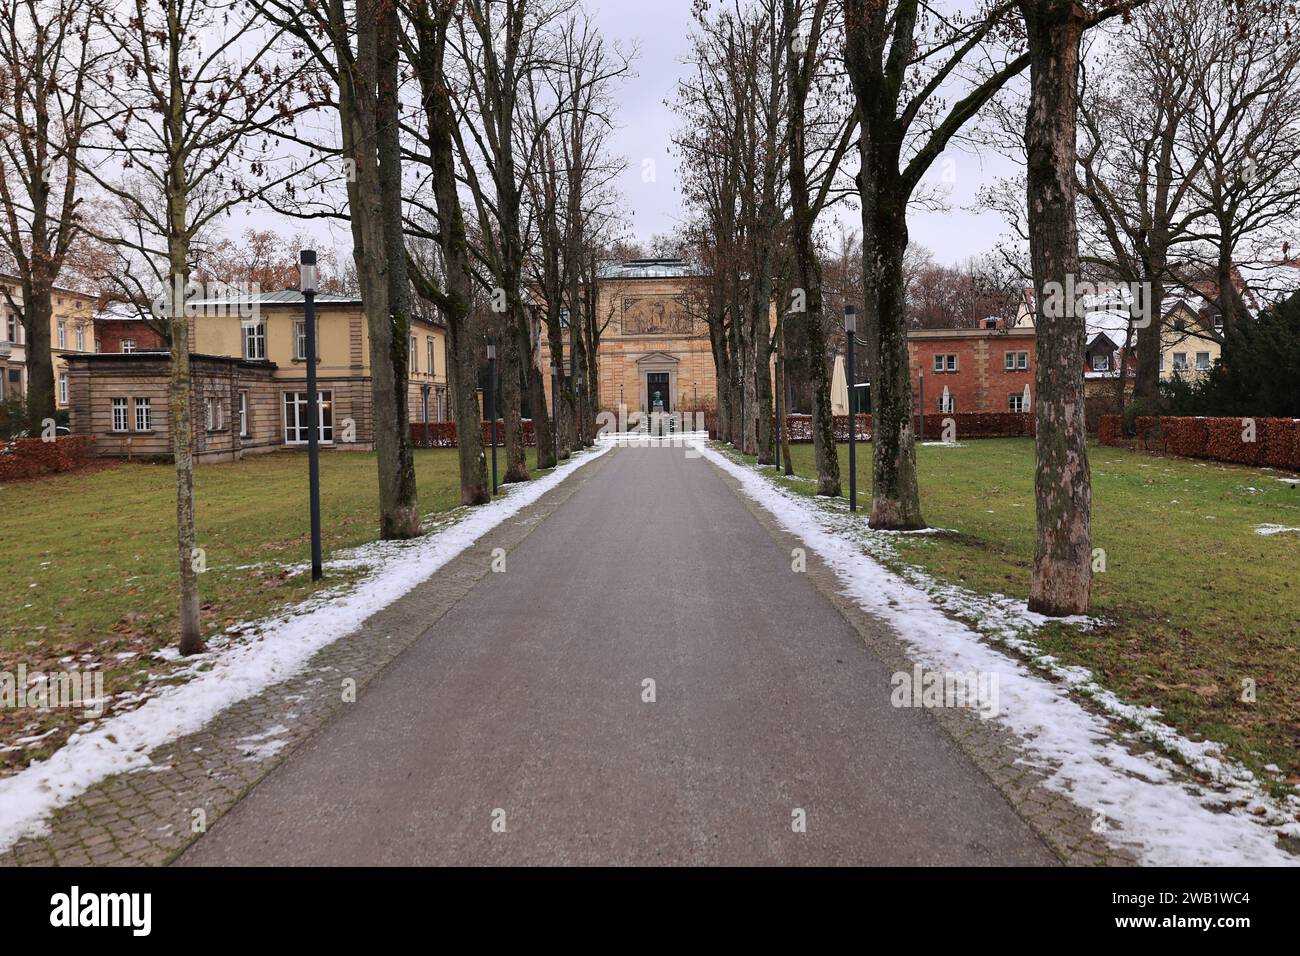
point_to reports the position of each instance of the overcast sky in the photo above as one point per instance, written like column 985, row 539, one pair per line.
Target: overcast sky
column 659, row 28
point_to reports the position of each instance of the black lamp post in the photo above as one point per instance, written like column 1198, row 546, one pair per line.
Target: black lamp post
column 492, row 408
column 307, row 285
column 850, row 328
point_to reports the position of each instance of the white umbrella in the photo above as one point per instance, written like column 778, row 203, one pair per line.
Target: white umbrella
column 947, row 402
column 1024, row 402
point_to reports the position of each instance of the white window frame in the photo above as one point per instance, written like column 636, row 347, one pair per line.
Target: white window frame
column 1101, row 362
column 325, row 397
column 216, row 416
column 254, row 332
column 938, row 363
column 81, row 338
column 415, row 354
column 428, row 352
column 1162, row 361
column 952, row 403
column 243, row 414
column 143, row 414
column 63, row 334
column 63, row 388
column 120, row 419
column 1180, row 361
column 952, row 361
column 1022, row 361
column 1202, row 367
column 128, row 346
column 14, row 329
column 1016, row 402
column 1009, row 361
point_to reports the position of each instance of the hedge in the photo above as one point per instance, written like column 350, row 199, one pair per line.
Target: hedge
column 33, row 457
column 1276, row 441
column 966, row 424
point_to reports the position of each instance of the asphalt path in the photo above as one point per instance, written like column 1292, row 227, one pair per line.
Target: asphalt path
column 517, row 730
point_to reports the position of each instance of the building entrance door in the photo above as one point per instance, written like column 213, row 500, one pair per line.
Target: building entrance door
column 657, row 398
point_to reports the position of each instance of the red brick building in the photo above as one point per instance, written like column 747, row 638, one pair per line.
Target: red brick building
column 984, row 370
column 122, row 328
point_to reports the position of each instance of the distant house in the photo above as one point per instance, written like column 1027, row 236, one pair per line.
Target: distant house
column 125, row 328
column 986, row 369
column 248, row 380
column 71, row 332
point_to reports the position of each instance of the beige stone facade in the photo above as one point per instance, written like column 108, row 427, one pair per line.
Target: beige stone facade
column 652, row 342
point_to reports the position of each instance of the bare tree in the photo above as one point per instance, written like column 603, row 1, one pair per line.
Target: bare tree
column 919, row 76
column 47, row 59
column 173, row 145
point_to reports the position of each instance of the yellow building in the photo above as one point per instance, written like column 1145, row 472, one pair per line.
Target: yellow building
column 249, row 378
column 71, row 331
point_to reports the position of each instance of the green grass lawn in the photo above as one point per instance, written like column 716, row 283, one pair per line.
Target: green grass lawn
column 1195, row 601
column 89, row 564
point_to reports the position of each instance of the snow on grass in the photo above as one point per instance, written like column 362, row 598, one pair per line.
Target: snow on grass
column 1148, row 802
column 1267, row 529
column 239, row 665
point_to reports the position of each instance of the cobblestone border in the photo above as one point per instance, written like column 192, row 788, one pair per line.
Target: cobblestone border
column 1064, row 826
column 148, row 817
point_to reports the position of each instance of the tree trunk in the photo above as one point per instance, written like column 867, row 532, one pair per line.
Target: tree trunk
column 895, row 498
column 1063, row 558
column 512, row 375
column 38, row 317
column 399, row 511
column 463, row 364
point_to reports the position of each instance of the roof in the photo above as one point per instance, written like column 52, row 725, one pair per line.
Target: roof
column 647, row 269
column 164, row 355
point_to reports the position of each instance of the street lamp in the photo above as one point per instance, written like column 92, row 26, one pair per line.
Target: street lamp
column 850, row 328
column 307, row 285
column 581, row 405
column 492, row 408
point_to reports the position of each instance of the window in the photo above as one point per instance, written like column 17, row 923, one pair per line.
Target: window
column 119, row 414
column 1202, row 360
column 81, row 338
column 63, row 389
column 938, row 363
column 1180, row 361
column 952, row 363
column 14, row 329
column 128, row 345
column 243, row 414
column 1015, row 360
column 143, row 415
column 428, row 350
column 415, row 361
column 1022, row 360
column 63, row 334
column 216, row 414
column 1162, row 361
column 1016, row 402
column 1101, row 362
column 945, row 363
column 950, row 405
column 295, row 417
column 255, row 341
column 300, row 341
column 1218, row 324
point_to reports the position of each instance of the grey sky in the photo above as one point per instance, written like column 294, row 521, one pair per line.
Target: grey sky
column 659, row 28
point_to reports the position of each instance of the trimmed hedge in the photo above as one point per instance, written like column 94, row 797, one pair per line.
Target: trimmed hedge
column 968, row 425
column 1276, row 441
column 33, row 457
